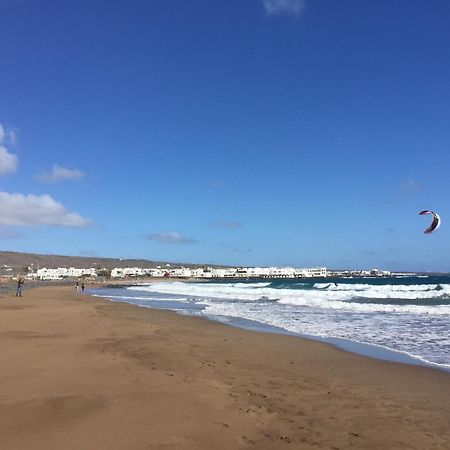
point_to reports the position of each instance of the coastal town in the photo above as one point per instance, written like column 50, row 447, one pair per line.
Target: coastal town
column 178, row 272
column 204, row 272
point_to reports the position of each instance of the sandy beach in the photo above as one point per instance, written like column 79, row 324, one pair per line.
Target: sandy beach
column 78, row 372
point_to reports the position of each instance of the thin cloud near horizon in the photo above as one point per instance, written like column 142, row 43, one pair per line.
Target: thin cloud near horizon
column 7, row 233
column 237, row 250
column 171, row 237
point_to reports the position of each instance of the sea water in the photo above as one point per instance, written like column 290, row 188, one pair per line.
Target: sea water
column 405, row 319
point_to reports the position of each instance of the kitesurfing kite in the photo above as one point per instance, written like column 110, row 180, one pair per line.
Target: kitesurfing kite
column 434, row 224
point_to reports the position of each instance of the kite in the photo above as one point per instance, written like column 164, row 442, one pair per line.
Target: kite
column 434, row 224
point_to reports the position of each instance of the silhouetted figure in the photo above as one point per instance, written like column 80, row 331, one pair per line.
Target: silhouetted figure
column 20, row 283
column 82, row 287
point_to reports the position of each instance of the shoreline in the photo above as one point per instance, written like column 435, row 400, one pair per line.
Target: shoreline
column 97, row 374
column 373, row 351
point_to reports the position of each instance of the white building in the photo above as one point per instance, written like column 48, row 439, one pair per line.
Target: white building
column 122, row 272
column 223, row 273
column 228, row 272
column 60, row 273
column 317, row 272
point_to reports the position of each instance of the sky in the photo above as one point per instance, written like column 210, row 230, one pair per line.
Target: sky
column 260, row 132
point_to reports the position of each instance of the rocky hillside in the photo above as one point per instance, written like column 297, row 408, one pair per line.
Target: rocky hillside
column 21, row 261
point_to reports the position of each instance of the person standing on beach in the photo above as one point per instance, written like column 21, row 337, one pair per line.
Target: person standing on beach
column 20, row 283
column 82, row 287
column 76, row 286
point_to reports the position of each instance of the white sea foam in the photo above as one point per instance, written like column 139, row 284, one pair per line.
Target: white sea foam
column 143, row 298
column 394, row 291
column 421, row 339
column 347, row 297
column 411, row 319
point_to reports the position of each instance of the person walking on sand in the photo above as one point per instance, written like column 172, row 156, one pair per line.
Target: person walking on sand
column 20, row 282
column 82, row 287
column 77, row 286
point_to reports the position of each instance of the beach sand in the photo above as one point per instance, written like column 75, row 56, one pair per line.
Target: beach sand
column 83, row 373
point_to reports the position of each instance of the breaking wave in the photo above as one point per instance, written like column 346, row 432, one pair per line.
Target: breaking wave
column 416, row 299
column 408, row 315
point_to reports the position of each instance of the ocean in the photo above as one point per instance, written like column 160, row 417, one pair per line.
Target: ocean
column 402, row 319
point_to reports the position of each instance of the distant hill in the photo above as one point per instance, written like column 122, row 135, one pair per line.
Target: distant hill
column 20, row 261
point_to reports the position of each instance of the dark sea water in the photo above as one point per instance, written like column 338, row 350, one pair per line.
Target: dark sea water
column 405, row 319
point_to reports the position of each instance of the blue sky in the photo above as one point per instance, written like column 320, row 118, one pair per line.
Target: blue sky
column 264, row 132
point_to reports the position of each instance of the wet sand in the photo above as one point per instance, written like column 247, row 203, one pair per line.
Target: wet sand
column 78, row 372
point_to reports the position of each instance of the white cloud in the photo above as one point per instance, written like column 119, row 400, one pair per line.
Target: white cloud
column 293, row 7
column 35, row 210
column 11, row 136
column 8, row 161
column 172, row 237
column 7, row 135
column 59, row 173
